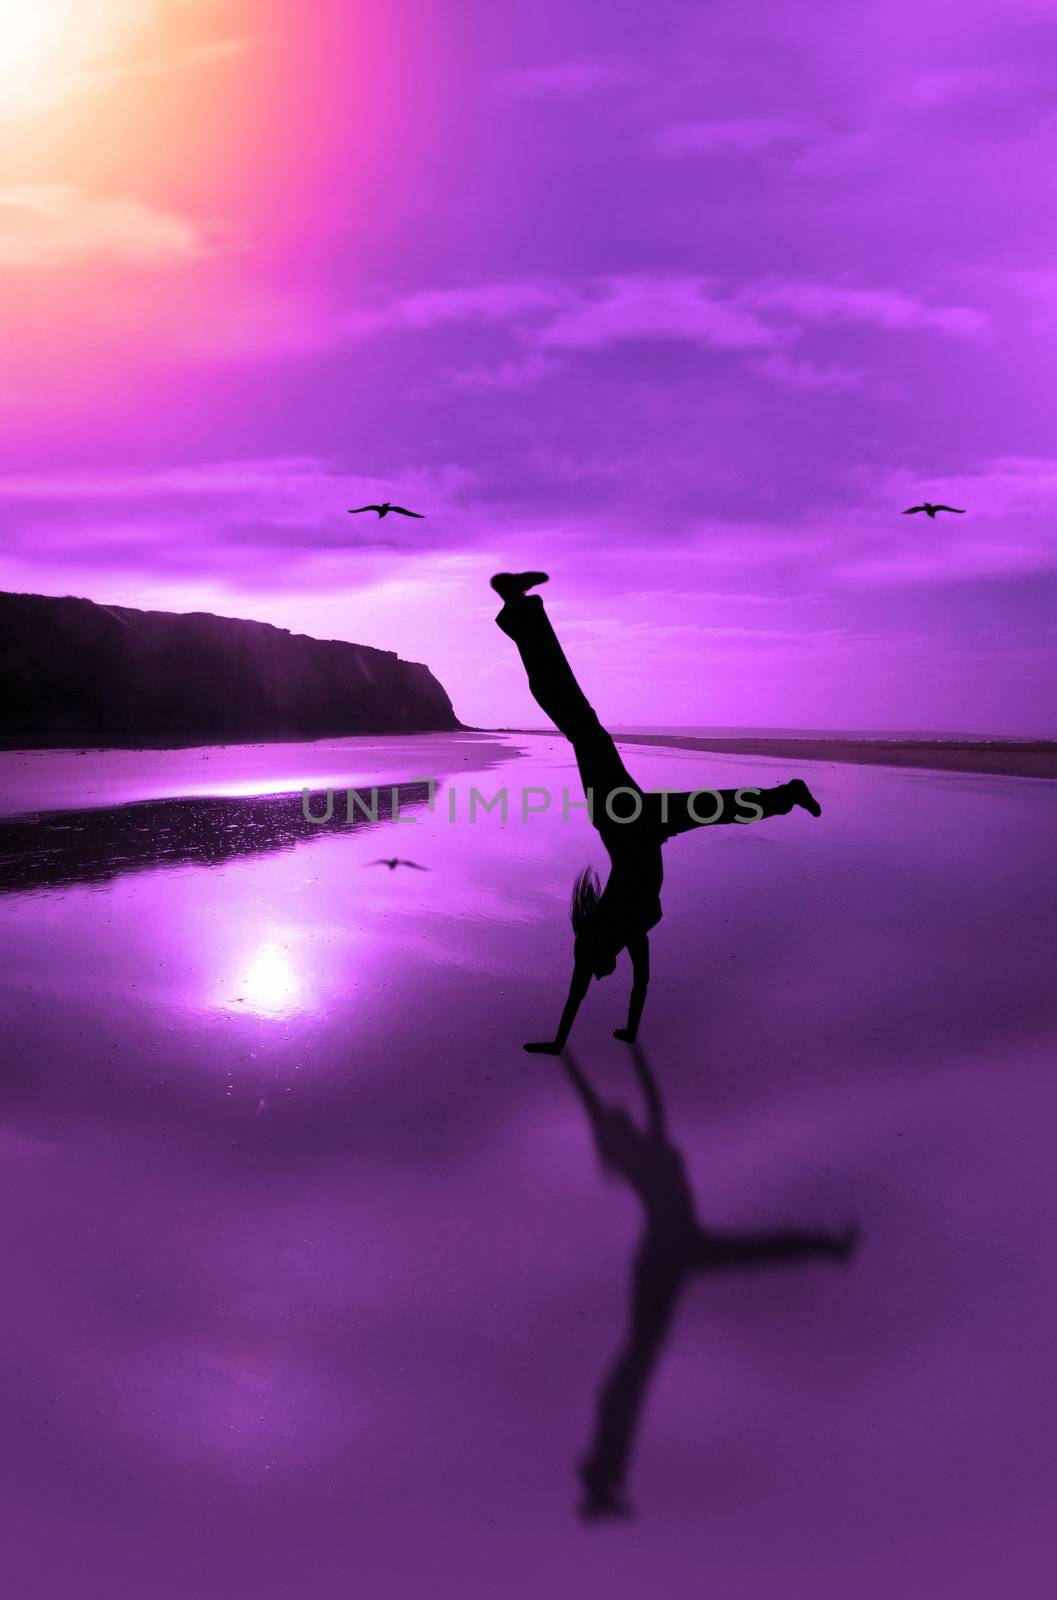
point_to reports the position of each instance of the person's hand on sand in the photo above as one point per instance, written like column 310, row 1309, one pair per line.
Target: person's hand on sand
column 626, row 1034
column 546, row 1047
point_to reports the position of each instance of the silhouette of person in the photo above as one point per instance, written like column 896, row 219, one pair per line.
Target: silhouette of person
column 633, row 825
column 673, row 1248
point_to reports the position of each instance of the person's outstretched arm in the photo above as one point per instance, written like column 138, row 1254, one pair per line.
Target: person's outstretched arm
column 639, row 951
column 581, row 982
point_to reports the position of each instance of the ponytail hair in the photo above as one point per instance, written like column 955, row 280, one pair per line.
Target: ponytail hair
column 586, row 890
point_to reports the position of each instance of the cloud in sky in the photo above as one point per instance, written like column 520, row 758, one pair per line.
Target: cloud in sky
column 101, row 75
column 587, row 314
column 947, row 84
column 741, row 135
column 51, row 224
column 564, row 80
column 254, row 521
column 431, row 308
column 503, row 375
column 971, row 559
column 299, row 504
column 1021, row 487
column 802, row 374
column 551, row 318
column 883, row 308
column 654, row 308
column 55, row 50
column 269, row 538
column 289, row 488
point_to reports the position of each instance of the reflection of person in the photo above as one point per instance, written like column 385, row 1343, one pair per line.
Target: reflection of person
column 673, row 1247
column 632, row 825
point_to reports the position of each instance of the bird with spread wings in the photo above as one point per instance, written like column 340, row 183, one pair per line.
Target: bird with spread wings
column 930, row 509
column 384, row 509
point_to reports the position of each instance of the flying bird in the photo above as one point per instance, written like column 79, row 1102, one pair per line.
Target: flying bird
column 930, row 510
column 384, row 509
column 392, row 862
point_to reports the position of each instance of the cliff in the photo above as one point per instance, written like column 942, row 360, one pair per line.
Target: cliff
column 76, row 673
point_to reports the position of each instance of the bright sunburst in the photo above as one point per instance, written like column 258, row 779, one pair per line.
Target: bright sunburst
column 46, row 45
column 267, row 984
column 23, row 35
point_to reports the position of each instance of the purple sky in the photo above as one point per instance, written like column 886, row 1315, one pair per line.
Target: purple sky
column 681, row 301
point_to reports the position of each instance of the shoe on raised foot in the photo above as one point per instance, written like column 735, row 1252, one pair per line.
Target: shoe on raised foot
column 801, row 795
column 512, row 584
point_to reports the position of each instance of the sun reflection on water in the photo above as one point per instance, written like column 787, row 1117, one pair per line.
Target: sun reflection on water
column 268, row 984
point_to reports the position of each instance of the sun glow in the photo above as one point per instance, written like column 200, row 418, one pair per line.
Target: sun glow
column 49, row 47
column 23, row 35
column 267, row 984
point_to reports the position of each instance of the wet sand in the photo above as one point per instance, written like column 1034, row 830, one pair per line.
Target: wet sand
column 314, row 1277
column 1017, row 758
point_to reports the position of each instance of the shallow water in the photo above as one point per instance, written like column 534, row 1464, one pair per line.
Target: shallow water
column 314, row 1276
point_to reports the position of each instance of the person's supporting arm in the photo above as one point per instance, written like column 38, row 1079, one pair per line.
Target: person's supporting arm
column 581, row 982
column 639, row 951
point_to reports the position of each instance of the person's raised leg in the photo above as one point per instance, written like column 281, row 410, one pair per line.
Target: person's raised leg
column 550, row 677
column 553, row 683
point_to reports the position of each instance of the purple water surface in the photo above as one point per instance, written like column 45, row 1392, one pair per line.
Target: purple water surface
column 313, row 1275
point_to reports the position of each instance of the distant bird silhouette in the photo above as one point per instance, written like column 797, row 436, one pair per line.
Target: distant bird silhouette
column 930, row 510
column 384, row 509
column 392, row 862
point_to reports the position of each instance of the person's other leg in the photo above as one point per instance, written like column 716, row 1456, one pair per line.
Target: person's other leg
column 679, row 812
column 722, row 1252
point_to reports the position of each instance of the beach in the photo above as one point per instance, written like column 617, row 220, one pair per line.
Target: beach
column 1012, row 758
column 317, row 1277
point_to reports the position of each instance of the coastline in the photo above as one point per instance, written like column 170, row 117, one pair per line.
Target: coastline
column 1036, row 758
